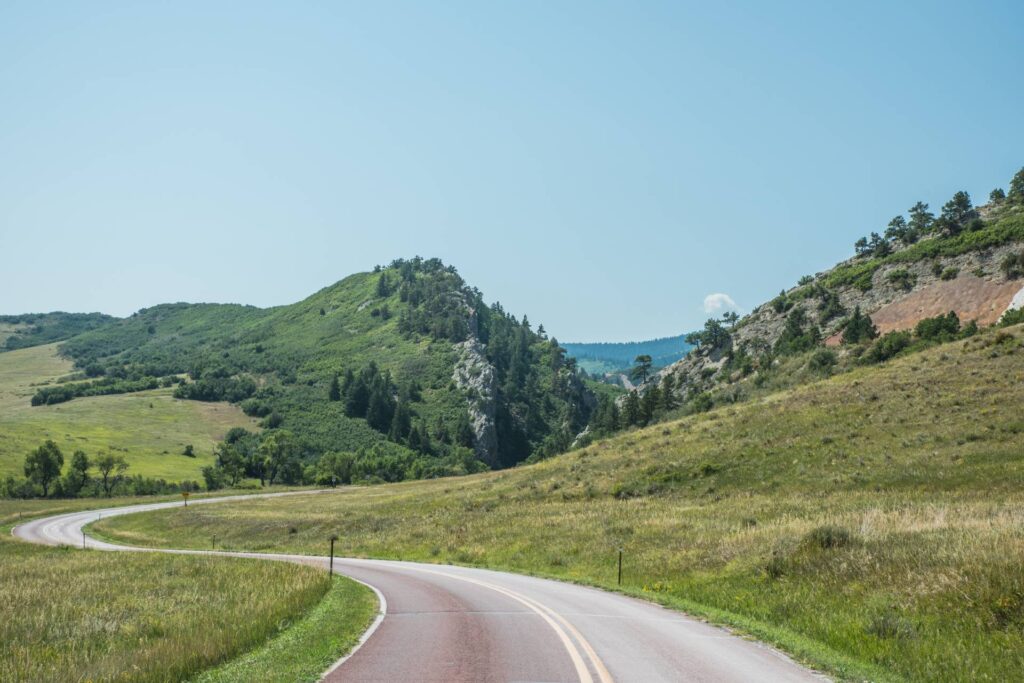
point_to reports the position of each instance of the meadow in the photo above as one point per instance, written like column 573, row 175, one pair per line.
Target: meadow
column 72, row 614
column 150, row 429
column 872, row 524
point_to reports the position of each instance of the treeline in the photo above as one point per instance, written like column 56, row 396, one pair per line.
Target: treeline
column 280, row 457
column 65, row 392
column 957, row 215
column 102, row 475
column 44, row 328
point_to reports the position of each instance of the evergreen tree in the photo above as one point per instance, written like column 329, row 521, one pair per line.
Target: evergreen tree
column 668, row 396
column 957, row 212
column 380, row 408
column 921, row 219
column 383, row 286
column 1016, row 193
column 642, row 368
column 649, row 404
column 631, row 409
column 858, row 327
column 357, row 400
column 334, row 392
column 401, row 422
column 997, row 196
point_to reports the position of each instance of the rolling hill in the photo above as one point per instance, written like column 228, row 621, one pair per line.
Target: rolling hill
column 404, row 370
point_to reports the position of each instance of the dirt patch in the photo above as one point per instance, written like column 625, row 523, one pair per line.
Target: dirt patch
column 971, row 297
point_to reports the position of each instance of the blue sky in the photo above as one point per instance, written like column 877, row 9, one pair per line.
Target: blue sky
column 602, row 167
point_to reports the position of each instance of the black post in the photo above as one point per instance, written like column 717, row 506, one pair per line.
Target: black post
column 620, row 566
column 213, row 543
column 332, row 555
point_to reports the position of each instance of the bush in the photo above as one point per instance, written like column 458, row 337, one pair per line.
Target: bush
column 949, row 273
column 939, row 328
column 887, row 346
column 902, row 278
column 823, row 360
column 828, row 537
column 1012, row 265
column 1012, row 317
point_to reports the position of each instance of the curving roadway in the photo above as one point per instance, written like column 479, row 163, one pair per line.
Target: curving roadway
column 448, row 623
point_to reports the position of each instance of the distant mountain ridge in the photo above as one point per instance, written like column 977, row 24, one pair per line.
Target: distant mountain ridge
column 602, row 357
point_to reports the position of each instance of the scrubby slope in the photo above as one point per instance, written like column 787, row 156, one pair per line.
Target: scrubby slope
column 400, row 332
column 870, row 522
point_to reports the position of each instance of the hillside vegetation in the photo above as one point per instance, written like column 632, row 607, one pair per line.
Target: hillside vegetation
column 34, row 329
column 402, row 372
column 870, row 523
column 149, row 429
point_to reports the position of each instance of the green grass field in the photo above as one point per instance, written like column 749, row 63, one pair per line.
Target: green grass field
column 870, row 524
column 77, row 615
column 150, row 429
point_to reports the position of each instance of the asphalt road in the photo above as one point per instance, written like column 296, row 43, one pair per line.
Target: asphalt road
column 447, row 623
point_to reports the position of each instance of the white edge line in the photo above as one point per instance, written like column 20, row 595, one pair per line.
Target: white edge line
column 381, row 613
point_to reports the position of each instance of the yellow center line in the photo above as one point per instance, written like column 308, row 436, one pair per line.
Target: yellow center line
column 550, row 616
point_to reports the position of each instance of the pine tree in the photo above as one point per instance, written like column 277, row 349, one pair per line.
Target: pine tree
column 631, row 408
column 334, row 393
column 649, row 404
column 401, row 422
column 668, row 396
column 1016, row 193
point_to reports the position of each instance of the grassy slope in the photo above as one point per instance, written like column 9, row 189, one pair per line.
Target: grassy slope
column 199, row 613
column 918, row 460
column 149, row 428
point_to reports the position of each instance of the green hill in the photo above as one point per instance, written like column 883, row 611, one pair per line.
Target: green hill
column 404, row 372
column 869, row 523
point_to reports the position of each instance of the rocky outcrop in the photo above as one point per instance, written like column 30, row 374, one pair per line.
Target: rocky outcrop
column 475, row 377
column 901, row 293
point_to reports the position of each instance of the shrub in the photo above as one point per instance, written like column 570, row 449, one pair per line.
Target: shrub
column 828, row 537
column 887, row 346
column 939, row 328
column 949, row 273
column 902, row 278
column 1012, row 265
column 823, row 360
column 702, row 402
column 1012, row 317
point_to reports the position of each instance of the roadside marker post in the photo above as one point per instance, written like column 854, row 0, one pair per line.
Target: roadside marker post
column 184, row 496
column 333, row 539
column 620, row 566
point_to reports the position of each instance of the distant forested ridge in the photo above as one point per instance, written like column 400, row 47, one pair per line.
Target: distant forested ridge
column 601, row 357
column 34, row 329
column 363, row 371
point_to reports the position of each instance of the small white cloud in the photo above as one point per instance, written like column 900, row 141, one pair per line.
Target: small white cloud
column 719, row 303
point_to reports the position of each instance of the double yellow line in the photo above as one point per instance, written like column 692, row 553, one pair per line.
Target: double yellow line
column 566, row 632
